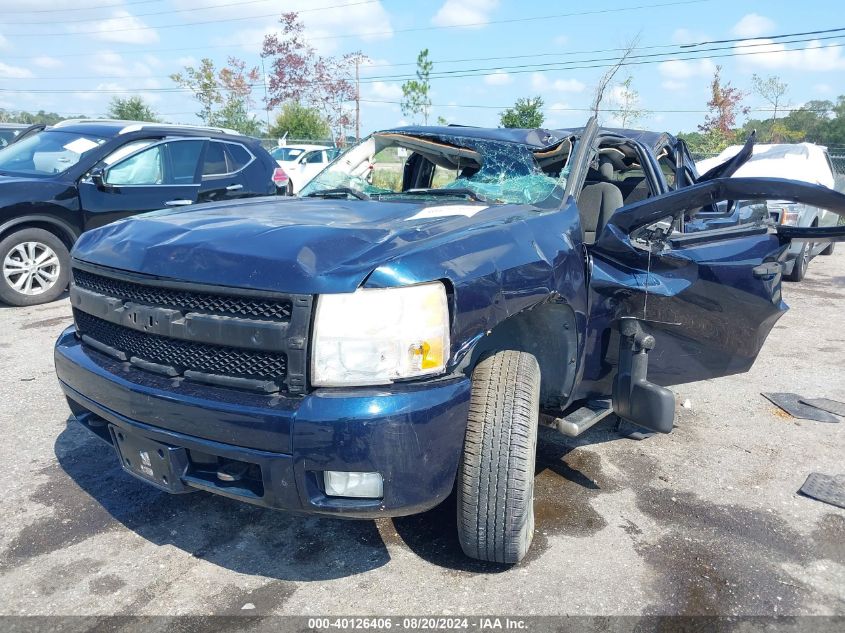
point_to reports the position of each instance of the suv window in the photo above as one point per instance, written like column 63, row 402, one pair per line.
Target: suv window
column 184, row 156
column 144, row 168
column 238, row 156
column 215, row 160
column 314, row 157
column 169, row 163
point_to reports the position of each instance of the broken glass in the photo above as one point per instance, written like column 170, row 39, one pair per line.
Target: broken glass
column 494, row 171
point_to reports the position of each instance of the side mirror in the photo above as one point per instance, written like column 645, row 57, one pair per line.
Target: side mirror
column 98, row 178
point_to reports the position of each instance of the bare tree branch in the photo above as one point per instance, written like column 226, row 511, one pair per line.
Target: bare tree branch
column 609, row 74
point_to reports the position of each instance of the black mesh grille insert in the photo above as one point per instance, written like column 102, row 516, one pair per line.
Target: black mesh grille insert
column 185, row 300
column 184, row 355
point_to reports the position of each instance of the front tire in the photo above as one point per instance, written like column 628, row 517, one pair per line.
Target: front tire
column 496, row 476
column 35, row 267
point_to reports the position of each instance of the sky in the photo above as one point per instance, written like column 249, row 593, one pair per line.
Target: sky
column 73, row 56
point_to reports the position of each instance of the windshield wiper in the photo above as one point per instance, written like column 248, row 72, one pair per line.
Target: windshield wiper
column 457, row 192
column 349, row 191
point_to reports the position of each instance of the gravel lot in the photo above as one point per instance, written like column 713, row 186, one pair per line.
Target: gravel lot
column 705, row 520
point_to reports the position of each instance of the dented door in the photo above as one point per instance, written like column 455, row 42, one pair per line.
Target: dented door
column 712, row 297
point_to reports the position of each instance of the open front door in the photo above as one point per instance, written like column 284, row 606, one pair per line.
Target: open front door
column 709, row 298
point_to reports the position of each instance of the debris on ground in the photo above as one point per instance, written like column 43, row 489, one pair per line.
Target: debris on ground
column 794, row 405
column 826, row 404
column 826, row 488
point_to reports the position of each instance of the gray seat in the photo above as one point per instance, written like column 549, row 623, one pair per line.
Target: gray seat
column 596, row 204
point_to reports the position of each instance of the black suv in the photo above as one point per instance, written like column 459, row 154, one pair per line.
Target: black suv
column 79, row 175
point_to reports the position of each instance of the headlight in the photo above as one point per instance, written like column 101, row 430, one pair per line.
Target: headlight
column 790, row 214
column 375, row 336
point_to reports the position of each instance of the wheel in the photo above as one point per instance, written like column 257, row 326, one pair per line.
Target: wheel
column 36, row 267
column 290, row 188
column 496, row 475
column 829, row 249
column 802, row 260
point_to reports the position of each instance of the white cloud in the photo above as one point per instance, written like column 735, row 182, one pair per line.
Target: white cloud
column 771, row 55
column 680, row 70
column 385, row 91
column 114, row 89
column 498, row 78
column 542, row 83
column 14, row 72
column 111, row 64
column 561, row 40
column 753, row 25
column 327, row 31
column 187, row 61
column 4, row 43
column 467, row 13
column 122, row 27
column 824, row 89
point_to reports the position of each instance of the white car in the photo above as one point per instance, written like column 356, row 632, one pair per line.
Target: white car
column 306, row 165
column 285, row 154
column 799, row 161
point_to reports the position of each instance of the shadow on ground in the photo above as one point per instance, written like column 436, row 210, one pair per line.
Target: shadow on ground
column 89, row 494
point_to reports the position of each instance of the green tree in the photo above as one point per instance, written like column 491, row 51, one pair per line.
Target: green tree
column 301, row 123
column 525, row 113
column 224, row 95
column 773, row 91
column 31, row 118
column 626, row 100
column 416, row 93
column 131, row 109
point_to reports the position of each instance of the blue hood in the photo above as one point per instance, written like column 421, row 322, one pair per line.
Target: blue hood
column 305, row 246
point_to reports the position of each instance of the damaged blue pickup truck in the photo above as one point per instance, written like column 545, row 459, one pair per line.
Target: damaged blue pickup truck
column 394, row 333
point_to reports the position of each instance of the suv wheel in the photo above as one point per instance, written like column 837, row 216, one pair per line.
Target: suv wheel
column 496, row 475
column 36, row 267
column 802, row 260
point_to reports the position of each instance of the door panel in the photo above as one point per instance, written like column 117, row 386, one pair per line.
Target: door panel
column 712, row 297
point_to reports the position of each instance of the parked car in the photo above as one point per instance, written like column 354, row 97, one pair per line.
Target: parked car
column 79, row 175
column 801, row 161
column 289, row 153
column 366, row 349
column 302, row 167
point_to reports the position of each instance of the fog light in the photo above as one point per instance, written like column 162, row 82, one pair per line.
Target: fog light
column 343, row 484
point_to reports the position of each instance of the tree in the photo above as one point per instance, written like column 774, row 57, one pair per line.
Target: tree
column 772, row 90
column 298, row 74
column 627, row 101
column 131, row 109
column 225, row 96
column 31, row 118
column 300, row 122
column 598, row 95
column 525, row 113
column 416, row 93
column 724, row 105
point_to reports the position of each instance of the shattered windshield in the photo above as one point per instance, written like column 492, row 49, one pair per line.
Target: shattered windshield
column 399, row 166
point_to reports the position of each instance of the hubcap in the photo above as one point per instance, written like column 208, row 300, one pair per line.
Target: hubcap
column 31, row 268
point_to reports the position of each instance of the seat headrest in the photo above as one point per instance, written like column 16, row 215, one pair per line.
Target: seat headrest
column 605, row 168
